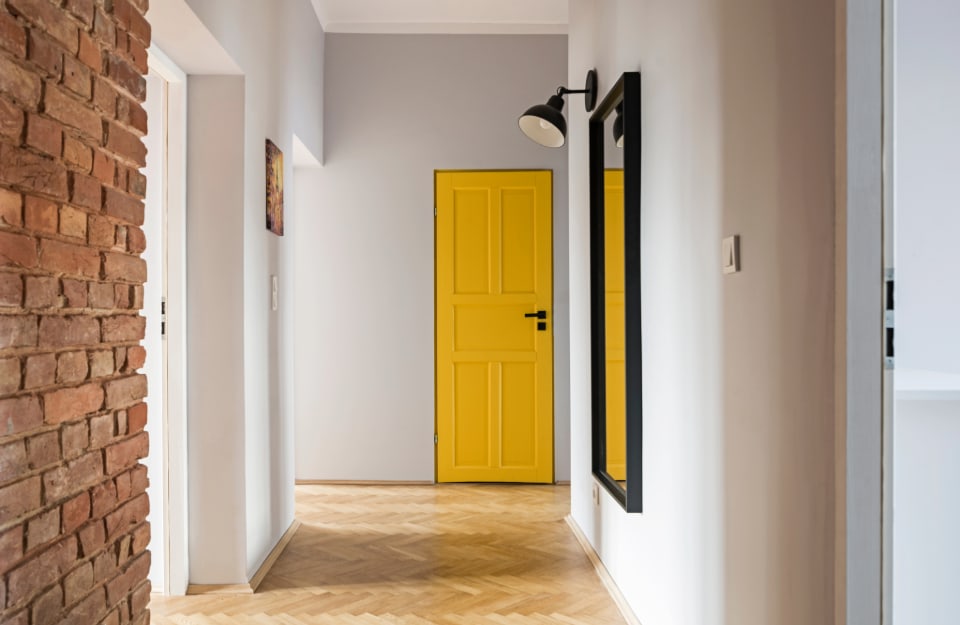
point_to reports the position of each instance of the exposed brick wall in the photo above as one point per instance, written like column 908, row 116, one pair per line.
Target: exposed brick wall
column 73, row 503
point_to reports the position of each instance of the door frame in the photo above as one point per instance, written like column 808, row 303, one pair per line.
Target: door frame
column 553, row 304
column 174, row 443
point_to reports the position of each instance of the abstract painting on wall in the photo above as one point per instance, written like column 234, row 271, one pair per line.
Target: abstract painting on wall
column 274, row 189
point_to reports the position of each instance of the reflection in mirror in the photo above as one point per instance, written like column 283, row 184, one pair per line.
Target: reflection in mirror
column 615, row 293
column 614, row 286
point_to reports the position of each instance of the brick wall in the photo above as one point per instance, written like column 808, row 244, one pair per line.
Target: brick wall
column 73, row 534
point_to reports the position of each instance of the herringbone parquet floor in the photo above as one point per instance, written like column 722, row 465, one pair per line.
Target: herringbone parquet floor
column 419, row 555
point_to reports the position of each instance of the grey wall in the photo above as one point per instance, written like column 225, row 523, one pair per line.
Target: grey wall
column 738, row 138
column 396, row 108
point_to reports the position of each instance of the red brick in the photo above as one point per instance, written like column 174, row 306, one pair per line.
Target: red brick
column 40, row 215
column 90, row 53
column 136, row 356
column 71, row 403
column 101, row 430
column 76, row 77
column 39, row 572
column 102, row 296
column 21, row 84
column 72, row 367
column 17, row 330
column 104, row 167
column 85, row 190
column 126, row 76
column 136, row 241
column 13, row 460
column 101, row 364
column 13, row 37
column 124, row 267
column 139, row 480
column 122, row 482
column 22, row 618
column 43, row 528
column 92, row 538
column 140, row 597
column 137, row 418
column 75, row 512
column 11, row 120
column 75, row 438
column 11, row 289
column 121, row 414
column 77, row 154
column 41, row 371
column 127, row 515
column 104, row 28
column 75, row 292
column 17, row 250
column 11, row 208
column 132, row 114
column 141, row 538
column 19, row 414
column 43, row 450
column 48, row 18
column 68, row 258
column 44, row 134
column 123, row 328
column 105, row 97
column 69, row 331
column 126, row 145
column 121, row 241
column 83, row 11
column 141, row 5
column 46, row 608
column 125, row 391
column 90, row 610
column 136, row 297
column 45, row 54
column 19, row 167
column 78, row 583
column 104, row 498
column 101, row 232
column 125, row 454
column 138, row 54
column 140, row 28
column 73, row 223
column 77, row 475
column 72, row 112
column 11, row 546
column 9, row 377
column 122, row 295
column 137, row 184
column 19, row 498
column 41, row 292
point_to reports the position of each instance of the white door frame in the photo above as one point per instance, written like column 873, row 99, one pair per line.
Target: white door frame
column 174, row 444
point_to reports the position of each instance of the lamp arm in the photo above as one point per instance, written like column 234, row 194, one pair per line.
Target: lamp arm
column 564, row 91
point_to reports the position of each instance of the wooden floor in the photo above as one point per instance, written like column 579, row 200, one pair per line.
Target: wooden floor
column 419, row 555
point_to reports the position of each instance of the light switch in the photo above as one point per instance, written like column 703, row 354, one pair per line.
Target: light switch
column 274, row 299
column 731, row 254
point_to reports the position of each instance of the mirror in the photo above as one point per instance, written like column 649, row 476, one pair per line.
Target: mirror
column 615, row 292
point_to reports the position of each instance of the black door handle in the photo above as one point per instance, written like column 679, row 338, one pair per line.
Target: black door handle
column 540, row 314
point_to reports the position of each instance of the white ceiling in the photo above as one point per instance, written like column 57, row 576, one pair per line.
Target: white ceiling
column 443, row 16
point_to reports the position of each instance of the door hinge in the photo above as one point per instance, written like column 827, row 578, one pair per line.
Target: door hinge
column 163, row 317
column 436, row 439
column 888, row 319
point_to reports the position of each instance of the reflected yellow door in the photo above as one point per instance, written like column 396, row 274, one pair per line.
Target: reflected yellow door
column 614, row 286
column 494, row 366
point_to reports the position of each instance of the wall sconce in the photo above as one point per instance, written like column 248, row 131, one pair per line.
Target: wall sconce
column 545, row 124
column 618, row 126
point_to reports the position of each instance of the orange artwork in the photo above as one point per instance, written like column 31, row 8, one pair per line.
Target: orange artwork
column 274, row 189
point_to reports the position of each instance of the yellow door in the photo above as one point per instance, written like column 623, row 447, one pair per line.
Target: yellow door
column 614, row 286
column 494, row 364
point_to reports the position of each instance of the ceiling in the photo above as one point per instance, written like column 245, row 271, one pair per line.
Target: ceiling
column 443, row 16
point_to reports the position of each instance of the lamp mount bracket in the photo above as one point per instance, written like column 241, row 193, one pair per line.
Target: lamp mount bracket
column 589, row 90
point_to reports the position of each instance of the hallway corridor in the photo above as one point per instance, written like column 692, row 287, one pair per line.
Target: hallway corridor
column 419, row 555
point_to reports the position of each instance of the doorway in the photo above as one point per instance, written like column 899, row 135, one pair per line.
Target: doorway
column 494, row 320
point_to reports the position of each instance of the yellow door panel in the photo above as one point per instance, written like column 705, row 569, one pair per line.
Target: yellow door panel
column 494, row 367
column 614, row 263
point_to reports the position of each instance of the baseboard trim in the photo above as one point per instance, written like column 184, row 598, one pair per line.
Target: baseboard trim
column 562, row 482
column 250, row 587
column 602, row 573
column 364, row 483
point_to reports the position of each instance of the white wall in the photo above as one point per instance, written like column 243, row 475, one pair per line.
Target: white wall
column 738, row 121
column 278, row 46
column 927, row 197
column 399, row 107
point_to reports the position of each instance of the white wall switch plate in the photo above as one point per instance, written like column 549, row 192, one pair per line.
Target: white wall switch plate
column 731, row 254
column 274, row 297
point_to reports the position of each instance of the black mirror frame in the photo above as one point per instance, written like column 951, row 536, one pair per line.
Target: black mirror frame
column 625, row 91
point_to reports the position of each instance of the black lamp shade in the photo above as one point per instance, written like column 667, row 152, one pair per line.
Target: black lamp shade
column 544, row 123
